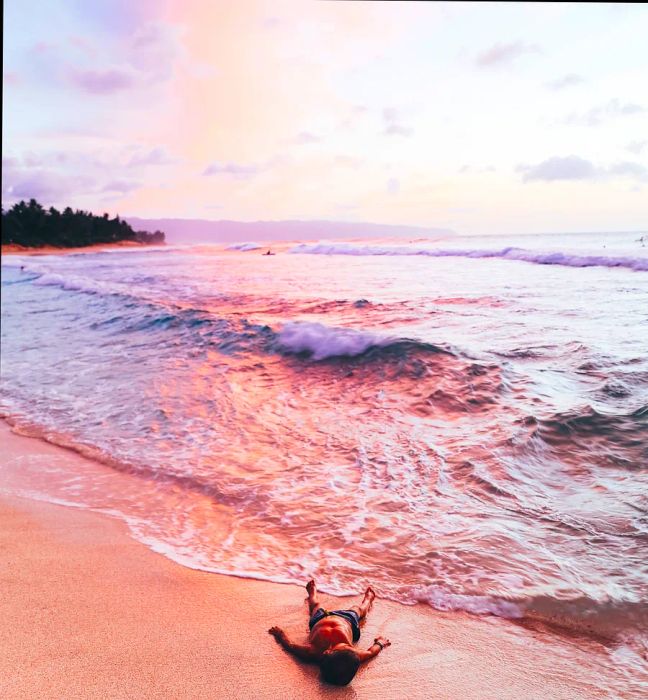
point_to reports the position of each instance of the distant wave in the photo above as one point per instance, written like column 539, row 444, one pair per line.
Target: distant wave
column 243, row 246
column 537, row 257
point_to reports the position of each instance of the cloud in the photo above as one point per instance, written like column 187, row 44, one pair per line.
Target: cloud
column 636, row 147
column 235, row 169
column 501, row 54
column 103, row 82
column 158, row 156
column 566, row 81
column 393, row 185
column 635, row 171
column 610, row 110
column 559, row 168
column 576, row 168
column 47, row 186
column 58, row 177
column 393, row 127
column 122, row 186
column 144, row 58
column 153, row 50
column 304, row 137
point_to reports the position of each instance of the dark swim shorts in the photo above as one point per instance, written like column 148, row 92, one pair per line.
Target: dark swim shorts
column 350, row 615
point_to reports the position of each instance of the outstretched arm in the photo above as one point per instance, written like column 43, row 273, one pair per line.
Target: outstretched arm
column 301, row 651
column 379, row 644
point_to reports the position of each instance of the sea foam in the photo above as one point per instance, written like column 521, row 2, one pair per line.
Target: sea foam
column 441, row 599
column 538, row 257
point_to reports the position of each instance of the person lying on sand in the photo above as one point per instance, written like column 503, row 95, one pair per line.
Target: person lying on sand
column 331, row 638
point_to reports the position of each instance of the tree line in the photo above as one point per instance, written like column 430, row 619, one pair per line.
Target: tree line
column 29, row 224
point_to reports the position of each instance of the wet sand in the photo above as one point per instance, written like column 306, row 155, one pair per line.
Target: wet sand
column 88, row 612
column 13, row 249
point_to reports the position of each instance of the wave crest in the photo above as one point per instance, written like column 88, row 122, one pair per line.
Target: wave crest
column 322, row 342
column 538, row 257
column 243, row 247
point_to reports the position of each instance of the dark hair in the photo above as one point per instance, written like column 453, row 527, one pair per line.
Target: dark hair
column 339, row 667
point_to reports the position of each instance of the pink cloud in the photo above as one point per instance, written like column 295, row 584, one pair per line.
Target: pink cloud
column 10, row 78
column 500, row 54
column 153, row 50
column 103, row 81
column 42, row 47
column 122, row 186
column 235, row 169
column 47, row 186
column 158, row 156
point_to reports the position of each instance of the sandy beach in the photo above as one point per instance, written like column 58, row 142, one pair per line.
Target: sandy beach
column 88, row 612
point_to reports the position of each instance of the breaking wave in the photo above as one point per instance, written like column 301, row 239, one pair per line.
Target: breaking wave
column 640, row 264
column 243, row 246
column 322, row 342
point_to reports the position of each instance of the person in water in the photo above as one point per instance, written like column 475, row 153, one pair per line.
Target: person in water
column 332, row 636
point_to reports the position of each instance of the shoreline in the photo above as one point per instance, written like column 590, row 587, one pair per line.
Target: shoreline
column 91, row 612
column 13, row 249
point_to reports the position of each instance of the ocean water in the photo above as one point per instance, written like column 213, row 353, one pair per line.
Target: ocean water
column 462, row 422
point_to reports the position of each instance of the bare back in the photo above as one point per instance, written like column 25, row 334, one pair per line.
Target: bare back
column 329, row 632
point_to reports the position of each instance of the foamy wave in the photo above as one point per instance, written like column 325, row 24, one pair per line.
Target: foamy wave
column 243, row 246
column 440, row 599
column 323, row 341
column 520, row 254
column 77, row 283
column 611, row 619
column 45, row 277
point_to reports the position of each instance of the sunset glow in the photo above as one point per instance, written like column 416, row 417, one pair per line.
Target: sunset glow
column 487, row 118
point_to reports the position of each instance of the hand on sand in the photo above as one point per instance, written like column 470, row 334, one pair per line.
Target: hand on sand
column 384, row 641
column 276, row 632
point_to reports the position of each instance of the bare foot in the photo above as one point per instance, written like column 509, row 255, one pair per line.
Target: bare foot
column 370, row 594
column 310, row 587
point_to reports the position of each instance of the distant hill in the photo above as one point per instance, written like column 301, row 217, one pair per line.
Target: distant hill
column 203, row 231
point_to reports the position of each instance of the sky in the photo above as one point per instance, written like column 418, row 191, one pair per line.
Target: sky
column 484, row 118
